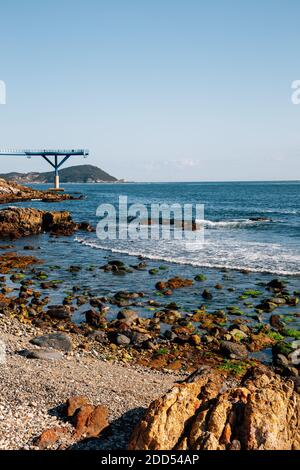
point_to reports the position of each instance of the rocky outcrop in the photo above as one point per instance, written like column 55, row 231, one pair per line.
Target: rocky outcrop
column 210, row 411
column 16, row 222
column 13, row 192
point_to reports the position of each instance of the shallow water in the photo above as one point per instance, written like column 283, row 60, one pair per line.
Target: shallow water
column 259, row 251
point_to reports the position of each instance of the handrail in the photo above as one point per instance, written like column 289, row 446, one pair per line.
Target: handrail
column 37, row 152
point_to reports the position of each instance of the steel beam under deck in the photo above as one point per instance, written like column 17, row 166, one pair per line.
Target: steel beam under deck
column 46, row 154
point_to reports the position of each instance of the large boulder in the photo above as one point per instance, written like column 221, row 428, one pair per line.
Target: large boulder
column 58, row 340
column 210, row 411
column 16, row 222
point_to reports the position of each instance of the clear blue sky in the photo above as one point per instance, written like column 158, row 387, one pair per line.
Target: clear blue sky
column 157, row 89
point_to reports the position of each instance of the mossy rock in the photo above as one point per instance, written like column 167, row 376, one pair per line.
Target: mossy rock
column 161, row 352
column 275, row 335
column 200, row 277
column 282, row 348
column 17, row 277
column 252, row 293
column 292, row 301
column 291, row 333
column 153, row 271
column 234, row 367
column 233, row 310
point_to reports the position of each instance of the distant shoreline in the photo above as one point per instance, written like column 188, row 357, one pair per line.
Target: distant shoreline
column 175, row 182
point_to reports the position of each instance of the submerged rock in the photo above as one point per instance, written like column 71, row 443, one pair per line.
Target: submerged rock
column 276, row 322
column 59, row 312
column 173, row 283
column 207, row 295
column 276, row 284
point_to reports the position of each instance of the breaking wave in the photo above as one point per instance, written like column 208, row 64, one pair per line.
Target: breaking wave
column 243, row 259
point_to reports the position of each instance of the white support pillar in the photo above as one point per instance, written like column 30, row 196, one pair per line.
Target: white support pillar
column 56, row 182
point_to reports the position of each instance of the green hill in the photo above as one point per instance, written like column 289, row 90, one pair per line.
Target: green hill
column 71, row 174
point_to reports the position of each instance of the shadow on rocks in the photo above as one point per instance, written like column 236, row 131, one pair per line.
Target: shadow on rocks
column 59, row 412
column 115, row 436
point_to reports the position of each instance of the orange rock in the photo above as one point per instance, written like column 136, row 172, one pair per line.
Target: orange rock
column 97, row 421
column 260, row 341
column 166, row 418
column 161, row 285
column 168, row 292
column 81, row 417
column 50, row 436
column 174, row 283
column 4, row 300
column 226, row 436
column 241, row 393
column 74, row 403
column 261, row 412
column 9, row 261
column 177, row 282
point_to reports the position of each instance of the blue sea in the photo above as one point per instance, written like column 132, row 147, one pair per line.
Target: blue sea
column 233, row 239
column 238, row 251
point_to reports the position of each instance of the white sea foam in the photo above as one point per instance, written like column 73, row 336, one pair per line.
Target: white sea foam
column 256, row 257
column 230, row 224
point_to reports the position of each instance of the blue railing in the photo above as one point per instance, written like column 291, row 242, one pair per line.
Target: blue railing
column 40, row 152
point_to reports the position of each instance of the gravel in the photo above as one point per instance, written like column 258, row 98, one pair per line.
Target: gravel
column 33, row 391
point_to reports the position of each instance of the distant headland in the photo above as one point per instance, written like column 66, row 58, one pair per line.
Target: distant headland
column 71, row 174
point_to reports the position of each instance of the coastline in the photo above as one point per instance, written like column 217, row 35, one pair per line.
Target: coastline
column 117, row 350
